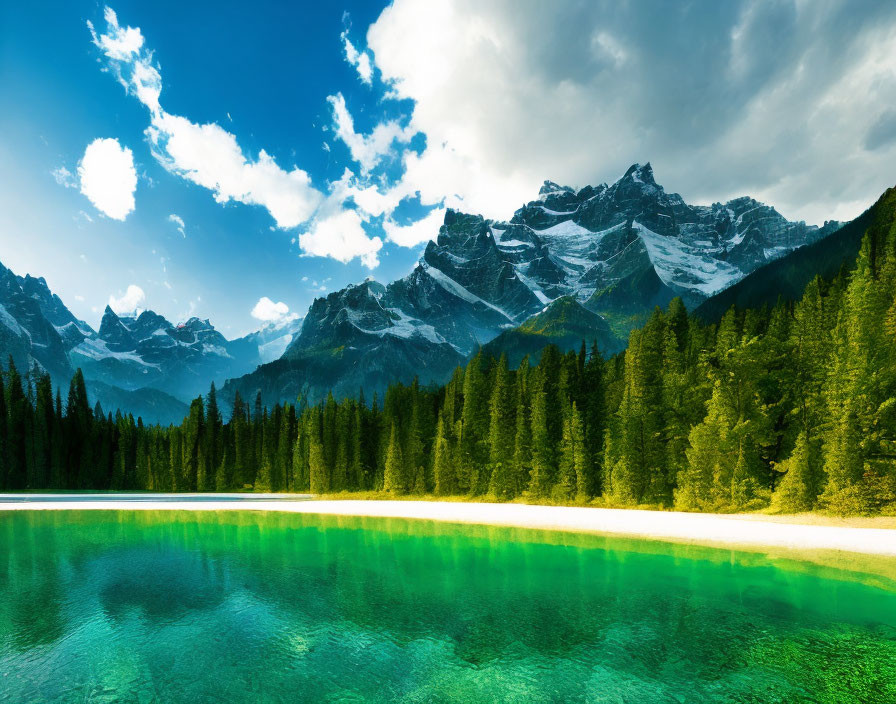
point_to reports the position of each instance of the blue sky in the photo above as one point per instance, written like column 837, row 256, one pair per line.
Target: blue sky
column 306, row 146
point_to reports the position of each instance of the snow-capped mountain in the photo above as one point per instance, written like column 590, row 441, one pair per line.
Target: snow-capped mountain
column 632, row 245
column 147, row 350
column 140, row 363
column 617, row 250
column 35, row 326
column 272, row 340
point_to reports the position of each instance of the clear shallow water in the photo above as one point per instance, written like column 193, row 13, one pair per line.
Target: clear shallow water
column 240, row 606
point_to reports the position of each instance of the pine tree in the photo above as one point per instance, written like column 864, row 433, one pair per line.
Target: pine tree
column 594, row 419
column 193, row 448
column 16, row 472
column 282, row 476
column 213, row 439
column 358, row 480
column 393, row 476
column 796, row 491
column 317, row 466
column 502, row 433
column 566, row 484
column 522, row 440
column 474, row 416
column 543, row 456
column 443, row 465
column 581, row 457
column 4, row 441
column 43, row 427
column 242, row 443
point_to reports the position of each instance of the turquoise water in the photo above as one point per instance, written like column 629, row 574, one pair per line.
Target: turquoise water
column 239, row 606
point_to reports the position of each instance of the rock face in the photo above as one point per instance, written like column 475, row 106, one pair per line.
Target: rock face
column 589, row 263
column 351, row 339
column 35, row 327
column 616, row 251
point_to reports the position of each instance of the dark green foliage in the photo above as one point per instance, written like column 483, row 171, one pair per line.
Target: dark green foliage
column 792, row 407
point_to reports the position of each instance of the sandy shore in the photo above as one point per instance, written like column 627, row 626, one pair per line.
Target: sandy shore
column 709, row 529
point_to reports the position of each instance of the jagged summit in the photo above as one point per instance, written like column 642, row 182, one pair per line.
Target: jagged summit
column 615, row 250
column 549, row 188
column 640, row 174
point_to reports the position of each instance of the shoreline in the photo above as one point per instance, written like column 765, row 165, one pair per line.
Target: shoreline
column 718, row 530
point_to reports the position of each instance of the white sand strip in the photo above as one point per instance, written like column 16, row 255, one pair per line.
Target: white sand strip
column 711, row 529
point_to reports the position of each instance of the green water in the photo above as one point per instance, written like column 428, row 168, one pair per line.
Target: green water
column 239, row 606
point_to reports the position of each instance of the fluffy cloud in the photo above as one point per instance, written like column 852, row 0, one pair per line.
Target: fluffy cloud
column 108, row 178
column 131, row 302
column 268, row 311
column 178, row 223
column 341, row 235
column 359, row 59
column 417, row 232
column 206, row 154
column 120, row 43
column 778, row 100
column 210, row 156
column 367, row 150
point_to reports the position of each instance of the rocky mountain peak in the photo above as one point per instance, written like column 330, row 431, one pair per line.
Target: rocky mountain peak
column 640, row 174
column 550, row 188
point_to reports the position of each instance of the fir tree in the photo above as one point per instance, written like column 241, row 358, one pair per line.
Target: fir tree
column 393, row 476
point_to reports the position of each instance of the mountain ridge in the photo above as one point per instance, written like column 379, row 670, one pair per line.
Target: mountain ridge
column 618, row 250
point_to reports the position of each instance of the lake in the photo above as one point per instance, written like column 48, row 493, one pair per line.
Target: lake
column 232, row 606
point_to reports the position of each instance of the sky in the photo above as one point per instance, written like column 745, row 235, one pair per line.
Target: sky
column 234, row 161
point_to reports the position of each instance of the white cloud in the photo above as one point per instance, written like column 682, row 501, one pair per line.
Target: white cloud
column 367, row 150
column 359, row 59
column 178, row 223
column 770, row 99
column 120, row 43
column 417, row 232
column 341, row 235
column 108, row 178
column 268, row 311
column 205, row 154
column 64, row 177
column 210, row 156
column 130, row 302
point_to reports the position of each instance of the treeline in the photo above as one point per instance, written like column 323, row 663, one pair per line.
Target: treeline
column 793, row 407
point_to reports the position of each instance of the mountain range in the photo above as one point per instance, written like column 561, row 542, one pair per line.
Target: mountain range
column 571, row 265
column 143, row 364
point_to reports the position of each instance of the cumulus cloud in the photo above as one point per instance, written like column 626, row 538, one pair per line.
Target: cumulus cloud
column 205, row 154
column 268, row 311
column 108, row 178
column 777, row 100
column 129, row 303
column 211, row 157
column 178, row 223
column 120, row 43
column 341, row 235
column 359, row 59
column 367, row 150
column 417, row 232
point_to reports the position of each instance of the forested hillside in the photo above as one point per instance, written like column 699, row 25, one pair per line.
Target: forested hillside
column 792, row 407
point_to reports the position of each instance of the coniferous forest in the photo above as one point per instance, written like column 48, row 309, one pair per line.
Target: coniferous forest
column 792, row 408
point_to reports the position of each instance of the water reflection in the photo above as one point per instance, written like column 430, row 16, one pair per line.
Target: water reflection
column 242, row 605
